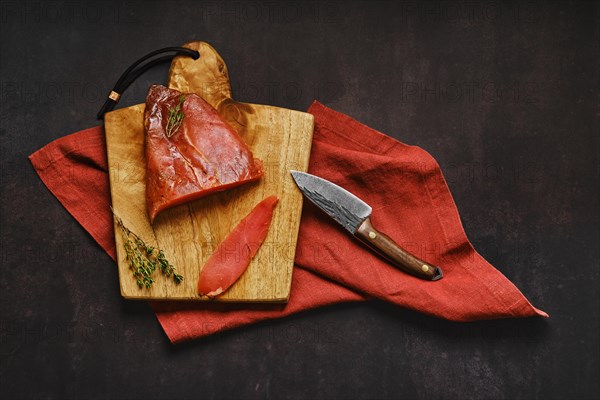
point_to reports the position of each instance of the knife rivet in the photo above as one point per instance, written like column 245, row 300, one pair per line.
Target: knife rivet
column 425, row 268
column 372, row 235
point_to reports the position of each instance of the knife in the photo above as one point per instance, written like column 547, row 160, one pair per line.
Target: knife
column 354, row 215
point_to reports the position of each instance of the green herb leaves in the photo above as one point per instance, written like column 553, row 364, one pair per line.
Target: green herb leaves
column 144, row 259
column 175, row 117
column 166, row 267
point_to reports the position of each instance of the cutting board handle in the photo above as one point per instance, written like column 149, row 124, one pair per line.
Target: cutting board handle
column 131, row 73
column 207, row 77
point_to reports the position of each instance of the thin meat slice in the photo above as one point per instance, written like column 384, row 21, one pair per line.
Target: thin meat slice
column 233, row 255
column 200, row 155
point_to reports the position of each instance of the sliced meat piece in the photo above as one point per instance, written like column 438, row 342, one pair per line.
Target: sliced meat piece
column 234, row 253
column 201, row 155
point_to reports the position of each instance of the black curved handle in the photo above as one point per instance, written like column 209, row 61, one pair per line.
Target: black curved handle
column 131, row 74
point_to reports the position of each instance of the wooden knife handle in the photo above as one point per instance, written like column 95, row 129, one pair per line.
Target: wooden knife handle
column 400, row 258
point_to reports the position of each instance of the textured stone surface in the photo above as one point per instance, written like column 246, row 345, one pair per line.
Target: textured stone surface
column 504, row 95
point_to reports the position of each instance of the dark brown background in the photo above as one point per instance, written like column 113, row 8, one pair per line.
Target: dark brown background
column 503, row 94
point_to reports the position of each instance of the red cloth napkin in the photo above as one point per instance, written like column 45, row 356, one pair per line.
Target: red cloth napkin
column 411, row 203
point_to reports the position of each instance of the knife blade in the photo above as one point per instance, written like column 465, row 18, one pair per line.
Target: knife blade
column 354, row 215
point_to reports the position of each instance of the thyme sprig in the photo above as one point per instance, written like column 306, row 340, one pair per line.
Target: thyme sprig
column 175, row 117
column 143, row 259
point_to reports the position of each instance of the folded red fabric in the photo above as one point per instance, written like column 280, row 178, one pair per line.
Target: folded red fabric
column 411, row 203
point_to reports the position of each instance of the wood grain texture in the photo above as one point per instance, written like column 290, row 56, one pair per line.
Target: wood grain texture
column 189, row 233
column 400, row 258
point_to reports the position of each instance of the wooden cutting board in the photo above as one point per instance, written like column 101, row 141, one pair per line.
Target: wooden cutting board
column 189, row 233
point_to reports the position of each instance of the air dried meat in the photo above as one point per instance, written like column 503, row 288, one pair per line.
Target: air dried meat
column 191, row 151
column 233, row 255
